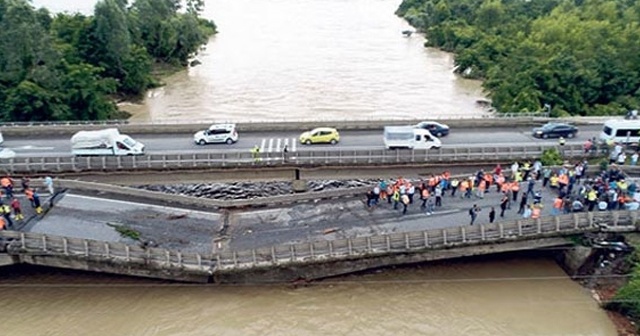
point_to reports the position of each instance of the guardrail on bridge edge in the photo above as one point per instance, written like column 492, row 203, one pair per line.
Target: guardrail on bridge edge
column 313, row 158
column 18, row 243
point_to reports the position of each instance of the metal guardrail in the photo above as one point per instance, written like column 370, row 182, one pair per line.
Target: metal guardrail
column 271, row 120
column 333, row 157
column 38, row 244
column 429, row 239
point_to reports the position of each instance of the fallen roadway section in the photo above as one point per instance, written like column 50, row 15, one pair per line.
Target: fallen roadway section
column 316, row 237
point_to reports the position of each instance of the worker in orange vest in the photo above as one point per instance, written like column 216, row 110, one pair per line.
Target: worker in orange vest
column 557, row 206
column 3, row 224
column 29, row 193
column 499, row 182
column 481, row 188
column 515, row 188
column 464, row 185
column 536, row 211
column 7, row 185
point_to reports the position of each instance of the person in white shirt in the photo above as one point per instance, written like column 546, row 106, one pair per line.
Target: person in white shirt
column 622, row 158
column 634, row 159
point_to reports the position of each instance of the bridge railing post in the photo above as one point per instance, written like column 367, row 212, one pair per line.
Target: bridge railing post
column 464, row 234
column 519, row 224
column 444, row 236
column 483, row 235
column 426, row 238
column 501, row 226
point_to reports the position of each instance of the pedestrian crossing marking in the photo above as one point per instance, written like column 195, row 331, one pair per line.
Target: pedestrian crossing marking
column 277, row 145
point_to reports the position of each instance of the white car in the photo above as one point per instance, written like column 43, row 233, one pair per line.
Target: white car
column 218, row 133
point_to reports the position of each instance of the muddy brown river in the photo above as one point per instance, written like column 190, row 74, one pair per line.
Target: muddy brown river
column 307, row 60
column 494, row 296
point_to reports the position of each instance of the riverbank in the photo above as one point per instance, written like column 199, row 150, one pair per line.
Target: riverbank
column 604, row 273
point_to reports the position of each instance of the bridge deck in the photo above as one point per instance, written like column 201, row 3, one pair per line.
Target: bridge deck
column 195, row 231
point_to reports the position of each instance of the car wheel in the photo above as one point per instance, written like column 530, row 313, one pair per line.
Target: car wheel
column 201, row 142
column 545, row 136
column 439, row 134
column 229, row 141
column 334, row 141
column 570, row 135
column 308, row 142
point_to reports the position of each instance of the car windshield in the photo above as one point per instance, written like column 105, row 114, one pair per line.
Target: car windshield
column 129, row 142
column 550, row 126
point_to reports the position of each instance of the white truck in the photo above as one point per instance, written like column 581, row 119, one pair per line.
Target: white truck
column 409, row 137
column 104, row 142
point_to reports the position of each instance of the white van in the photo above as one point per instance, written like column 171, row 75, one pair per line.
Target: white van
column 621, row 131
column 409, row 137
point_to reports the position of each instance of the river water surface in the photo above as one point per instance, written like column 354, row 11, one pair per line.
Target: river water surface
column 308, row 60
column 507, row 296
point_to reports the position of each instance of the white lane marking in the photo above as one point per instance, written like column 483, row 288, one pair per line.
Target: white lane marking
column 142, row 205
column 293, row 144
column 270, row 145
column 264, row 141
column 29, row 147
column 277, row 149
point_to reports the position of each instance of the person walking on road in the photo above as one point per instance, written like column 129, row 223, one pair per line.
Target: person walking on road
column 504, row 202
column 255, row 153
column 492, row 215
column 285, row 150
column 473, row 212
column 5, row 210
column 17, row 209
column 405, row 202
column 430, row 206
column 48, row 182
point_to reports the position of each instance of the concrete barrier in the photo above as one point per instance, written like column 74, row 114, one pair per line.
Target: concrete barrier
column 157, row 128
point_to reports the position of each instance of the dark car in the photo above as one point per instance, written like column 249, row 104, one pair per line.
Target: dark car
column 555, row 130
column 434, row 128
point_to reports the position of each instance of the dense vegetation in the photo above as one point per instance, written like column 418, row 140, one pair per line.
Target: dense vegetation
column 627, row 299
column 580, row 56
column 72, row 66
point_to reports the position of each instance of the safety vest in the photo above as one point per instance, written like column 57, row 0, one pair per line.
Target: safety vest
column 592, row 195
column 396, row 195
column 425, row 193
column 535, row 213
column 563, row 179
column 553, row 181
column 557, row 203
column 500, row 179
column 482, row 185
column 506, row 187
column 432, row 182
column 515, row 186
column 29, row 194
column 3, row 223
column 455, row 183
column 464, row 185
column 5, row 182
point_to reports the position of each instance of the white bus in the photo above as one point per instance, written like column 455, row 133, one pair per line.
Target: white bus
column 621, row 131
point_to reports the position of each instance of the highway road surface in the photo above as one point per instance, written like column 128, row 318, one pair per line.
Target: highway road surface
column 39, row 146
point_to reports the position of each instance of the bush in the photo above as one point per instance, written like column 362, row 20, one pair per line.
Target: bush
column 551, row 157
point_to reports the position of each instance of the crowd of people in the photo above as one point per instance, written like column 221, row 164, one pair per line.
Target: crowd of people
column 10, row 205
column 520, row 186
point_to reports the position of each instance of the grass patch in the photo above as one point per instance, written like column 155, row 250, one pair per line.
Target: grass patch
column 125, row 231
